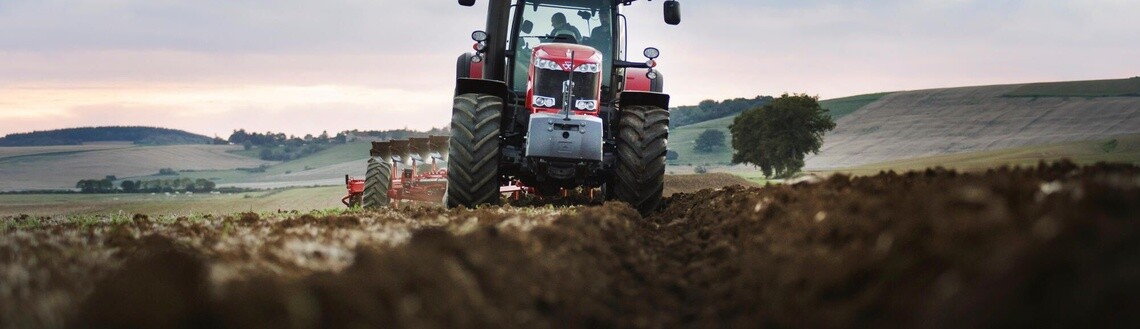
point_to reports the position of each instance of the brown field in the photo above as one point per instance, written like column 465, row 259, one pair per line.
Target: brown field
column 923, row 123
column 8, row 152
column 59, row 167
column 1047, row 246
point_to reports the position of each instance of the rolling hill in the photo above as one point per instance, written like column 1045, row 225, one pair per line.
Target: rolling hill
column 967, row 127
column 682, row 139
column 876, row 129
column 60, row 167
column 924, row 123
column 80, row 136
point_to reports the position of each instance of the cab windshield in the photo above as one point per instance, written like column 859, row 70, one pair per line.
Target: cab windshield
column 584, row 22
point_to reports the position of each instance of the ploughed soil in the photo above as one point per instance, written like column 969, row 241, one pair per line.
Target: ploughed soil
column 692, row 183
column 1050, row 246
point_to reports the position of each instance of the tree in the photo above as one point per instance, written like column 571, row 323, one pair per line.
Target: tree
column 87, row 185
column 776, row 137
column 267, row 154
column 128, row 186
column 709, row 140
column 106, row 185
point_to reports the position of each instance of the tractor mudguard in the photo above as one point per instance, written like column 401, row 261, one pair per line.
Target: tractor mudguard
column 635, row 80
column 634, row 98
column 465, row 68
column 481, row 86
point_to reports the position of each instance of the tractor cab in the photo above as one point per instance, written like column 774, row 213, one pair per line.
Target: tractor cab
column 557, row 24
column 548, row 99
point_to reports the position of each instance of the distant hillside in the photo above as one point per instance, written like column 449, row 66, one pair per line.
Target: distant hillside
column 840, row 107
column 79, row 136
column 682, row 137
column 1091, row 88
column 924, row 123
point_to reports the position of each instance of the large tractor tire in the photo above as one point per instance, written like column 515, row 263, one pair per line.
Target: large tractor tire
column 377, row 180
column 473, row 158
column 643, row 134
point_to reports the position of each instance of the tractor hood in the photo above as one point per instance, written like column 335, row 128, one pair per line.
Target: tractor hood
column 559, row 54
column 551, row 71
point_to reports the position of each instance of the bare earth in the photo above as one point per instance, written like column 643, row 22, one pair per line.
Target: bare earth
column 1051, row 246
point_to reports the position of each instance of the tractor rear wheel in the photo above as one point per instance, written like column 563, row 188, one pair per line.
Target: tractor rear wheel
column 376, row 183
column 473, row 158
column 643, row 134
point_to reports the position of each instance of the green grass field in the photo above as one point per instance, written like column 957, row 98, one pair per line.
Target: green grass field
column 334, row 155
column 300, row 199
column 682, row 139
column 1091, row 88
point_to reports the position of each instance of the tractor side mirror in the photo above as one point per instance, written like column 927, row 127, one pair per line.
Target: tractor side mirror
column 527, row 26
column 467, row 3
column 672, row 12
column 585, row 14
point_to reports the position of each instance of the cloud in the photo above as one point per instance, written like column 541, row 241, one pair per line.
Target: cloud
column 217, row 110
column 217, row 65
column 251, row 26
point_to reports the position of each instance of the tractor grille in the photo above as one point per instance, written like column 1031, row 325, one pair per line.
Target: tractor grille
column 548, row 83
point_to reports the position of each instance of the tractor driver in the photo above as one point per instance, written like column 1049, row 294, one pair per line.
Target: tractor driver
column 561, row 27
column 600, row 35
column 602, row 31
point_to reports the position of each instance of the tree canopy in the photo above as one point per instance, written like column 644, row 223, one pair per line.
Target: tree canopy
column 709, row 140
column 777, row 136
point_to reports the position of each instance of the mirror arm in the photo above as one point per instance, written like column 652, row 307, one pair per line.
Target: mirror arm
column 626, row 64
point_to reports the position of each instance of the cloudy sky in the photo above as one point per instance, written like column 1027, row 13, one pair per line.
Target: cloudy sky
column 294, row 66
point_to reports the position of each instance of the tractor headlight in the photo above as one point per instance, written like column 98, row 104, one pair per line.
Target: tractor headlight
column 541, row 101
column 586, row 105
column 547, row 64
column 587, row 68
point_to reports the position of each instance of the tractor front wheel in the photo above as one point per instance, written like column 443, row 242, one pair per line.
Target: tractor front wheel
column 473, row 157
column 643, row 134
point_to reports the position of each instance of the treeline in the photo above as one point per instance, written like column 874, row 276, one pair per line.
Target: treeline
column 269, row 138
column 107, row 185
column 400, row 133
column 281, row 147
column 133, row 134
column 709, row 109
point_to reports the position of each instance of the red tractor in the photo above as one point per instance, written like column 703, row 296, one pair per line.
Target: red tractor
column 547, row 99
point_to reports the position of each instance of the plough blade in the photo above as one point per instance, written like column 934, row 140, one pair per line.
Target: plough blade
column 439, row 146
column 401, row 151
column 381, row 150
column 421, row 149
